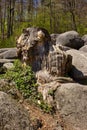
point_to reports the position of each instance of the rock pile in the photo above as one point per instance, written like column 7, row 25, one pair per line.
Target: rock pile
column 7, row 57
column 51, row 60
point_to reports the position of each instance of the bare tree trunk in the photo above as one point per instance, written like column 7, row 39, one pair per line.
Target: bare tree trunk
column 21, row 11
column 54, row 23
column 73, row 21
column 72, row 6
column 0, row 19
column 10, row 17
column 50, row 16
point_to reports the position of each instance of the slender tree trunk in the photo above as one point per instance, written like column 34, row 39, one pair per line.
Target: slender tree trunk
column 54, row 23
column 73, row 21
column 50, row 15
column 9, row 19
column 12, row 16
column 72, row 6
column 21, row 11
column 0, row 19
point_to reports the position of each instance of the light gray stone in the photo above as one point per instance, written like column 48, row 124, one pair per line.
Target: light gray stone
column 84, row 48
column 12, row 116
column 70, row 39
column 79, row 64
column 9, row 53
column 8, row 66
column 71, row 103
column 84, row 37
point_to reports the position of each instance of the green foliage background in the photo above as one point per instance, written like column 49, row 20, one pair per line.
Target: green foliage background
column 51, row 15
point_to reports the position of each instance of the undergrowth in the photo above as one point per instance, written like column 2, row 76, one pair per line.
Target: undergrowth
column 25, row 82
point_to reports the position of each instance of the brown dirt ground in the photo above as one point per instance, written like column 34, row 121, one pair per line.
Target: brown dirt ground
column 43, row 121
column 48, row 121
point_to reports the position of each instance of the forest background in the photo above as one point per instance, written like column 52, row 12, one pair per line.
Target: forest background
column 56, row 16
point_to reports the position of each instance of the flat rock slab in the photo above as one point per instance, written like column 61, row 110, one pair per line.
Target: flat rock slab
column 2, row 61
column 8, row 53
column 7, row 49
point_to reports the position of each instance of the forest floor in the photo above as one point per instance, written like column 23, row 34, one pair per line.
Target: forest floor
column 43, row 121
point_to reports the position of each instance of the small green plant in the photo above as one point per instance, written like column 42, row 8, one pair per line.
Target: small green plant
column 45, row 107
column 51, row 92
column 25, row 82
column 24, row 79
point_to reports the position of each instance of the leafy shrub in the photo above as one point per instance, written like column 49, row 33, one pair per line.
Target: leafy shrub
column 25, row 82
column 24, row 79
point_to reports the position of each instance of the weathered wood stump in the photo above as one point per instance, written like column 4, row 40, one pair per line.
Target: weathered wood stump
column 32, row 46
column 35, row 48
column 58, row 62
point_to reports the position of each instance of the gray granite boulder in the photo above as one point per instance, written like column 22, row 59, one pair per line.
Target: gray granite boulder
column 8, row 66
column 84, row 48
column 70, row 39
column 79, row 64
column 5, row 64
column 71, row 103
column 6, row 49
column 12, row 116
column 7, row 56
column 84, row 38
column 8, row 53
column 2, row 61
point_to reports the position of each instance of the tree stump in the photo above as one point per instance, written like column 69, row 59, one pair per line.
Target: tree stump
column 35, row 49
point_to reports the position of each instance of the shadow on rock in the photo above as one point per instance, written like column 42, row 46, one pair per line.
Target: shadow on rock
column 77, row 75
